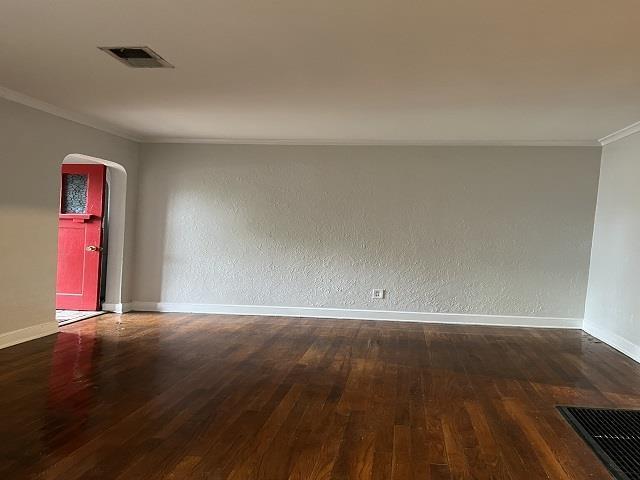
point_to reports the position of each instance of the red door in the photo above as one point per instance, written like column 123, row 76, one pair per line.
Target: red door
column 80, row 236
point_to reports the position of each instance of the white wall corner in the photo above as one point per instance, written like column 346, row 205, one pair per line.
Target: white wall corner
column 117, row 307
column 29, row 333
column 614, row 340
column 340, row 313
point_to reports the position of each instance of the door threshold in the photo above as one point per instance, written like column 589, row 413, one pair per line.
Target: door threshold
column 64, row 317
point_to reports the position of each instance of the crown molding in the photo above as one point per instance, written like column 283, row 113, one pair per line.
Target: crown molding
column 620, row 134
column 369, row 142
column 85, row 120
column 88, row 121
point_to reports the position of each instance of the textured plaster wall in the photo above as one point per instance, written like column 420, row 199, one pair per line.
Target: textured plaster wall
column 488, row 230
column 613, row 300
column 33, row 144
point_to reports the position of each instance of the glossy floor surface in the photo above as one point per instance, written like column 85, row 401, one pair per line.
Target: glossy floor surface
column 167, row 396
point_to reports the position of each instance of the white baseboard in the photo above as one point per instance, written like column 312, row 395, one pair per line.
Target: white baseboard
column 614, row 340
column 25, row 334
column 341, row 313
column 117, row 307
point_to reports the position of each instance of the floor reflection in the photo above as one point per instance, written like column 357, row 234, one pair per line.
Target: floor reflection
column 71, row 387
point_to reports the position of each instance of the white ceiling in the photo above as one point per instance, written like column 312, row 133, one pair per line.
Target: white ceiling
column 334, row 70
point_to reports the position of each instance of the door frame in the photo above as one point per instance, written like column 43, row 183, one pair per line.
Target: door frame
column 114, row 236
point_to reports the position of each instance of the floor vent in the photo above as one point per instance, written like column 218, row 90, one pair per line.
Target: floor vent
column 613, row 434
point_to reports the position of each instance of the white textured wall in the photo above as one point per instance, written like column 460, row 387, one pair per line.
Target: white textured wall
column 33, row 144
column 613, row 302
column 488, row 230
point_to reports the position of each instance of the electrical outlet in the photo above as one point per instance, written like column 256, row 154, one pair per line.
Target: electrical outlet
column 377, row 294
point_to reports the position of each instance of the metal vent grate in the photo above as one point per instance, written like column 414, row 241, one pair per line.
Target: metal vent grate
column 137, row 57
column 614, row 435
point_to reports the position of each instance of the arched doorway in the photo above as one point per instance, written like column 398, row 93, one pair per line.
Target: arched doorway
column 109, row 275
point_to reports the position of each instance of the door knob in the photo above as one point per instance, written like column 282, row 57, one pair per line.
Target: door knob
column 93, row 248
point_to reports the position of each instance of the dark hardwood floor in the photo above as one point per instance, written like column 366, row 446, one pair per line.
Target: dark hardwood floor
column 168, row 396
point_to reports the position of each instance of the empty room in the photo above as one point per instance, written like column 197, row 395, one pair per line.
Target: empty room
column 330, row 240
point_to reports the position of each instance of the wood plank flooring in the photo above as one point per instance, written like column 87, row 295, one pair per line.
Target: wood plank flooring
column 168, row 396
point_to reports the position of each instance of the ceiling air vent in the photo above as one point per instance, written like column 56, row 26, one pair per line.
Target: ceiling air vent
column 137, row 57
